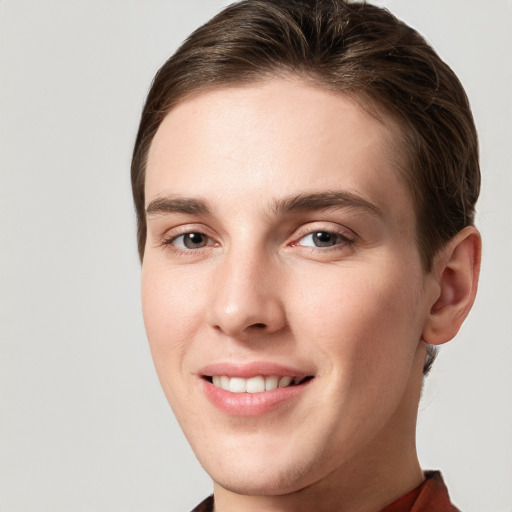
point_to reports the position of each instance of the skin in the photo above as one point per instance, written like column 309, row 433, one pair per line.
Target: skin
column 353, row 314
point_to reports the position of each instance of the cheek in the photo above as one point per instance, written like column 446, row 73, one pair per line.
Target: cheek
column 171, row 307
column 171, row 317
column 363, row 321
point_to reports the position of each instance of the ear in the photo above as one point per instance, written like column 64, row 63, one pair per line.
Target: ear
column 456, row 270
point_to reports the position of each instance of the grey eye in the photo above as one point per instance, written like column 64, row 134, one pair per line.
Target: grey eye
column 324, row 239
column 191, row 241
column 321, row 239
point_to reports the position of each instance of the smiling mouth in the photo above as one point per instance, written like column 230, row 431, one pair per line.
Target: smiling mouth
column 257, row 384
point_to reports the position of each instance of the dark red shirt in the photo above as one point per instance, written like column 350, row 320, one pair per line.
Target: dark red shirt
column 430, row 496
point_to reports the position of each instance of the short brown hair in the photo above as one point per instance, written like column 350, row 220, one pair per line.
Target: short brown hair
column 353, row 48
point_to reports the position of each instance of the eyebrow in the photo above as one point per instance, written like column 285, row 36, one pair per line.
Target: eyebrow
column 291, row 204
column 324, row 201
column 174, row 204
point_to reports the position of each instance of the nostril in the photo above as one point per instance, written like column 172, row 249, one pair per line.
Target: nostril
column 258, row 325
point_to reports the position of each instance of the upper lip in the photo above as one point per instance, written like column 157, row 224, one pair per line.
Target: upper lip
column 251, row 369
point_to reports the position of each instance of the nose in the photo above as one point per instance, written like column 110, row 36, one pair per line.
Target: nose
column 247, row 298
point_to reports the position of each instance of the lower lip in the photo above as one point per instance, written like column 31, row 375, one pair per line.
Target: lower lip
column 252, row 404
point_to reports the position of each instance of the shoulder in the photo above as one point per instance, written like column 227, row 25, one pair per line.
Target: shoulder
column 205, row 506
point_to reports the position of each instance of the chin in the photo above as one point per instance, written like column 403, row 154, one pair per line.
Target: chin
column 262, row 469
column 253, row 481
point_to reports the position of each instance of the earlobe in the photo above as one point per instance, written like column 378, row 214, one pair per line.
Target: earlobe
column 456, row 270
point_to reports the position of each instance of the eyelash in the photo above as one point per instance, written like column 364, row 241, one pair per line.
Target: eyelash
column 170, row 241
column 341, row 240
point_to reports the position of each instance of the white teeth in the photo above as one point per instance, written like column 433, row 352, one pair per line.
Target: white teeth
column 237, row 385
column 271, row 383
column 285, row 381
column 224, row 382
column 256, row 384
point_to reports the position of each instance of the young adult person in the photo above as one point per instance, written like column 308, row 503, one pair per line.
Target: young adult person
column 305, row 177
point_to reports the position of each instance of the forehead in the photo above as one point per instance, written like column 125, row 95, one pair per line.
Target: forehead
column 280, row 136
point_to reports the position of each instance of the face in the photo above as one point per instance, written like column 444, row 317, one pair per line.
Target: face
column 283, row 294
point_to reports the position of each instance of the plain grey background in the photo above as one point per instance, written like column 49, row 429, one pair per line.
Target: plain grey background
column 84, row 424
